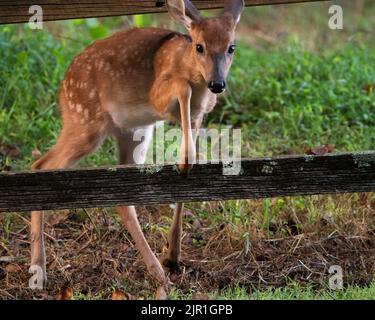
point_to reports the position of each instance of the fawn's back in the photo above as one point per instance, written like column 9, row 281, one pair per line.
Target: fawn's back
column 109, row 83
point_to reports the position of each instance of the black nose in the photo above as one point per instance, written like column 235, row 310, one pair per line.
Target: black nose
column 216, row 86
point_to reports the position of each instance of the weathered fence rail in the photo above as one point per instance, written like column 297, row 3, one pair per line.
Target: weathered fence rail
column 131, row 185
column 17, row 11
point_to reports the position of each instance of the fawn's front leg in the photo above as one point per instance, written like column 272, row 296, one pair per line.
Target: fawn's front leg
column 187, row 151
column 172, row 257
column 186, row 162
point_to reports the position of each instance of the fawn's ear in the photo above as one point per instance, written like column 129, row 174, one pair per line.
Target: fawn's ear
column 183, row 11
column 234, row 8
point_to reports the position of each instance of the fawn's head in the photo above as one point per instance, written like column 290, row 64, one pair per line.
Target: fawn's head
column 212, row 39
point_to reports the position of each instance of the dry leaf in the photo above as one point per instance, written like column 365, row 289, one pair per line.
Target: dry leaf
column 119, row 295
column 197, row 224
column 161, row 294
column 321, row 151
column 10, row 151
column 199, row 296
column 65, row 293
column 13, row 268
column 57, row 217
column 6, row 259
column 369, row 87
column 4, row 167
column 2, row 273
column 188, row 214
column 36, row 154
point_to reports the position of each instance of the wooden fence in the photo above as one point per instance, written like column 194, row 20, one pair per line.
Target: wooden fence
column 130, row 185
column 16, row 11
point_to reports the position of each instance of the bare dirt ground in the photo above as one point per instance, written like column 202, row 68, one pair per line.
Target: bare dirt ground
column 90, row 252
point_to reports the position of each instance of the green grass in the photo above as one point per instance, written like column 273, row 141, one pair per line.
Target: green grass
column 291, row 97
column 293, row 292
column 283, row 99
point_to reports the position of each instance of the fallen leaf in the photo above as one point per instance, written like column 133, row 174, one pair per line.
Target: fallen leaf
column 119, row 295
column 13, row 268
column 2, row 274
column 10, row 151
column 197, row 224
column 257, row 26
column 4, row 167
column 57, row 217
column 188, row 214
column 65, row 293
column 6, row 259
column 321, row 151
column 161, row 294
column 36, row 154
column 173, row 277
column 200, row 296
column 369, row 88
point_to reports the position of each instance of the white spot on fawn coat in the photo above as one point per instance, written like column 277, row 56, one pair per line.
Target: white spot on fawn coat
column 86, row 114
column 92, row 94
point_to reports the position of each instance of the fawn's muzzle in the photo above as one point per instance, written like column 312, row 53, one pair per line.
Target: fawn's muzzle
column 217, row 86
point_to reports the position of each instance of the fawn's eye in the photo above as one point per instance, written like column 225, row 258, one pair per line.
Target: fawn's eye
column 231, row 49
column 199, row 48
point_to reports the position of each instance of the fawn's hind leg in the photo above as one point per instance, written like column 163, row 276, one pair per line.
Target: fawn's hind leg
column 172, row 258
column 127, row 148
column 67, row 151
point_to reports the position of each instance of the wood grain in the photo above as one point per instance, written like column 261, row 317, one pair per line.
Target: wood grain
column 260, row 178
column 17, row 11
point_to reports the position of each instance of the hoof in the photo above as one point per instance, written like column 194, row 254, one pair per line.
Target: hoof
column 161, row 293
column 171, row 266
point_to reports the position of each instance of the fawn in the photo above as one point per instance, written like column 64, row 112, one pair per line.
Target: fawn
column 131, row 80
